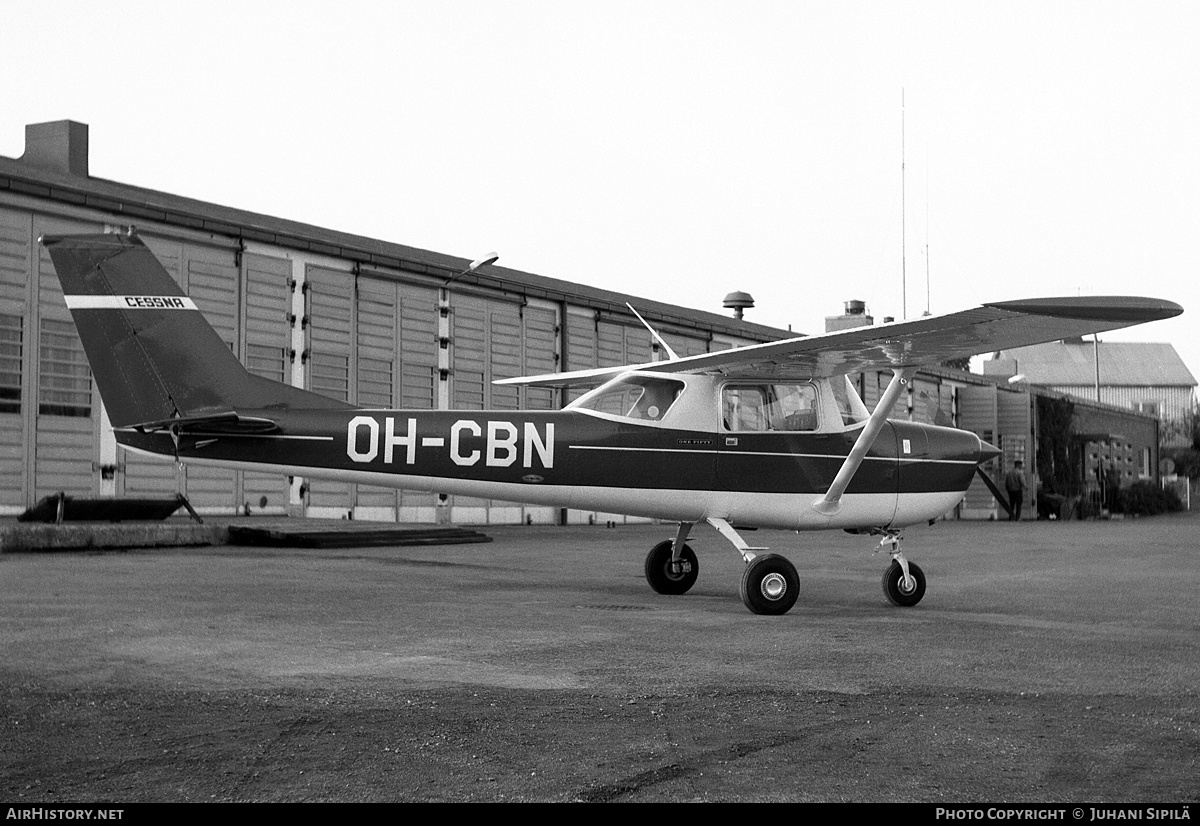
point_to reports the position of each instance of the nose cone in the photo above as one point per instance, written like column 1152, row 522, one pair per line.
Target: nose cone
column 987, row 452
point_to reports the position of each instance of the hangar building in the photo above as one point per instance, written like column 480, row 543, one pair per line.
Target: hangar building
column 350, row 317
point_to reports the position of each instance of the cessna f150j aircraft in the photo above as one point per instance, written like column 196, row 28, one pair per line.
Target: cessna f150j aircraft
column 768, row 435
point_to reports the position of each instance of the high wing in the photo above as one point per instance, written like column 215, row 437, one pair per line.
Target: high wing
column 904, row 344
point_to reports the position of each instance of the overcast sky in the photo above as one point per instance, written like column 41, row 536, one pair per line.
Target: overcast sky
column 674, row 150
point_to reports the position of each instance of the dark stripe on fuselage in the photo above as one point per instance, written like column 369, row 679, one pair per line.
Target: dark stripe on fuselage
column 577, row 449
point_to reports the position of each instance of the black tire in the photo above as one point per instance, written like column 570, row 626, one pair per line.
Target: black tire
column 770, row 585
column 659, row 571
column 893, row 585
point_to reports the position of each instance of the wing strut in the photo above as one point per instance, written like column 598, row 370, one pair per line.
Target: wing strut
column 830, row 503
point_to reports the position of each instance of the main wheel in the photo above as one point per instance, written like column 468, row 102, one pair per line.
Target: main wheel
column 770, row 585
column 894, row 588
column 666, row 578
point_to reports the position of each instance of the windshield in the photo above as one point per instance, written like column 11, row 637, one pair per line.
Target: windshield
column 848, row 401
column 634, row 397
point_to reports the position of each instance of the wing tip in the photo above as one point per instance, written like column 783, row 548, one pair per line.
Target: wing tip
column 92, row 241
column 1130, row 309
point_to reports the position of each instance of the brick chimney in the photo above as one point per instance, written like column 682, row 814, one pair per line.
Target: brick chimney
column 856, row 316
column 58, row 146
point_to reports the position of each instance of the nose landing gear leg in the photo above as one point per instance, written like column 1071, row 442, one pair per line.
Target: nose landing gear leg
column 903, row 581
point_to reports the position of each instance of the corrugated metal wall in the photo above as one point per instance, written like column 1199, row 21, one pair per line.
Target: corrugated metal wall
column 16, row 236
column 370, row 338
column 64, row 420
column 266, row 301
column 1174, row 401
column 396, row 367
column 1014, row 423
column 331, row 329
column 977, row 412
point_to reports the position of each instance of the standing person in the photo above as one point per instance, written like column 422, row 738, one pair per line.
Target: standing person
column 1014, row 483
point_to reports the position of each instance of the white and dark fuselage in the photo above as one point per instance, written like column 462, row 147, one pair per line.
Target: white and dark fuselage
column 688, row 464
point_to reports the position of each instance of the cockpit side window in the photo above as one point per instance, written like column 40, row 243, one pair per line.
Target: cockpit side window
column 743, row 408
column 763, row 407
column 645, row 398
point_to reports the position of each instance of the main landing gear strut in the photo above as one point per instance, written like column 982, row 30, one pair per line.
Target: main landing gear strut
column 770, row 583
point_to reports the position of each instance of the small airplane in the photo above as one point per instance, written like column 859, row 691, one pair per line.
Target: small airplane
column 762, row 436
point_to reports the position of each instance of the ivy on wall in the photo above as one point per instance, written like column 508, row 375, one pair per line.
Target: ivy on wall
column 1057, row 462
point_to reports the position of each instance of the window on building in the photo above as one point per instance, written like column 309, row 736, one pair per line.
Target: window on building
column 65, row 386
column 374, row 382
column 330, row 376
column 469, row 389
column 12, row 335
column 418, row 386
column 265, row 361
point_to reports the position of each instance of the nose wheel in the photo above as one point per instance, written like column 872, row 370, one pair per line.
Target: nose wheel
column 900, row 590
column 903, row 581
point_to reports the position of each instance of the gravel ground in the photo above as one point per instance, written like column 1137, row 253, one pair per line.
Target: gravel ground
column 1049, row 662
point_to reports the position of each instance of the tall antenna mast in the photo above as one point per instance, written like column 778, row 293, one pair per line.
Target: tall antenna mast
column 928, row 308
column 903, row 224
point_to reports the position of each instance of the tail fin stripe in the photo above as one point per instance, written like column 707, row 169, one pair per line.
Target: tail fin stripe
column 129, row 302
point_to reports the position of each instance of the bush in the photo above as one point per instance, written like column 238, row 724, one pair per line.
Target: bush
column 1147, row 498
column 1186, row 459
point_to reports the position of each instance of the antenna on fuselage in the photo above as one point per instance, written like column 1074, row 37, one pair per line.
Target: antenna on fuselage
column 670, row 353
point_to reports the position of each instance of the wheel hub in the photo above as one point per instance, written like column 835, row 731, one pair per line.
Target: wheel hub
column 678, row 570
column 773, row 586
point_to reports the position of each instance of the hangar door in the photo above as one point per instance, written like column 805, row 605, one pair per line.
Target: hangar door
column 395, row 367
column 15, row 239
column 330, row 316
column 63, row 411
column 494, row 338
column 371, row 341
column 266, row 300
column 977, row 412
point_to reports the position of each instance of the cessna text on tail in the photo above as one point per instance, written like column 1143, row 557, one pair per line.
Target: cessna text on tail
column 769, row 435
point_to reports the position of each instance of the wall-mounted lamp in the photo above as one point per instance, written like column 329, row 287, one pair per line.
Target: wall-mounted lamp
column 490, row 258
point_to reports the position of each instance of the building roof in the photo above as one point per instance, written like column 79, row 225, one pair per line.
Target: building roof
column 20, row 176
column 1124, row 364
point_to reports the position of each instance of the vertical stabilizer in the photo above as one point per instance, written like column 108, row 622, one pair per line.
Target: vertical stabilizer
column 154, row 355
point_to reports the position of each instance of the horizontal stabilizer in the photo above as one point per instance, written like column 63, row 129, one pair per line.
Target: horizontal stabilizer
column 219, row 423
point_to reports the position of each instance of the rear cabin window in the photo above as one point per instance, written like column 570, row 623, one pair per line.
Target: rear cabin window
column 635, row 397
column 763, row 407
